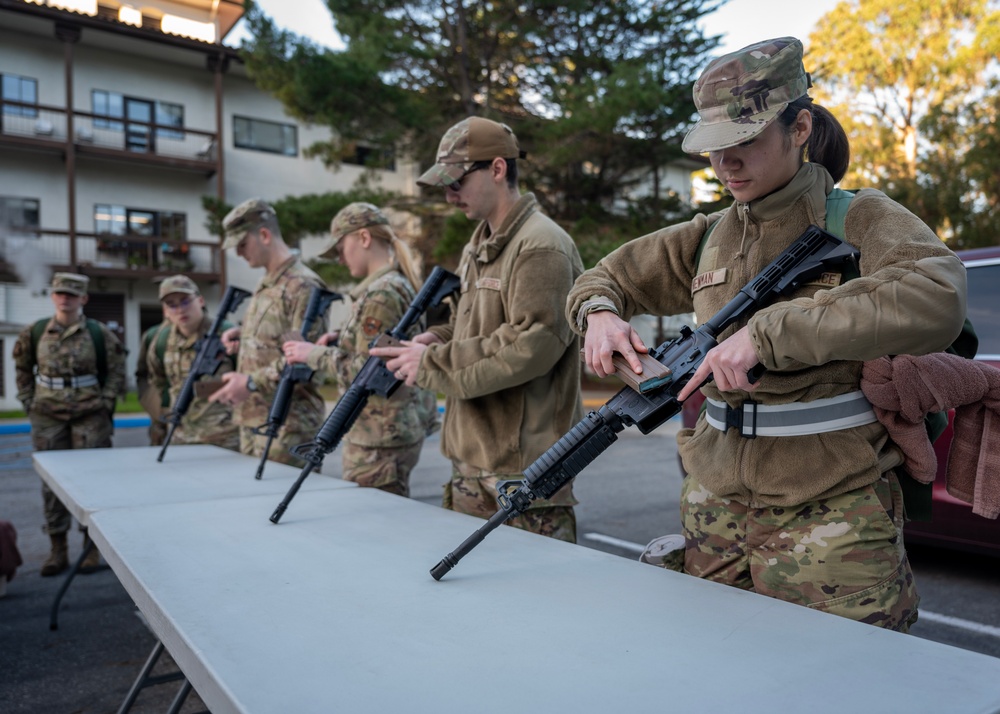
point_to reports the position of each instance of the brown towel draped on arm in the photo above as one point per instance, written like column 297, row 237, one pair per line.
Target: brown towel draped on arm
column 905, row 388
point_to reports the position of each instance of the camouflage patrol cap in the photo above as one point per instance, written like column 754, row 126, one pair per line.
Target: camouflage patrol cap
column 178, row 284
column 244, row 218
column 71, row 283
column 471, row 140
column 350, row 218
column 741, row 93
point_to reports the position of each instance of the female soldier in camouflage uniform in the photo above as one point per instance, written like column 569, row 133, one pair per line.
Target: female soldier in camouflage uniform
column 384, row 444
column 70, row 371
column 810, row 511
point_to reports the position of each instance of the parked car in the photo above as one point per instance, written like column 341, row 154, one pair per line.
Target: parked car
column 953, row 525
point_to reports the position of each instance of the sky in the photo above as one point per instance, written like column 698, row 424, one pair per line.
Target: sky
column 742, row 22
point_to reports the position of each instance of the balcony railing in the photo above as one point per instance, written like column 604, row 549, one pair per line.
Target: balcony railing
column 123, row 256
column 42, row 126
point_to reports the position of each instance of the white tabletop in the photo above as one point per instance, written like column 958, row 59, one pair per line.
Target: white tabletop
column 88, row 480
column 334, row 610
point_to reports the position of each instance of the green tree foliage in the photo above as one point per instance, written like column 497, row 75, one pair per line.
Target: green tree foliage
column 598, row 91
column 912, row 80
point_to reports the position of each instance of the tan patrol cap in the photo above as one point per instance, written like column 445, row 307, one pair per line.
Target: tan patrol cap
column 741, row 93
column 471, row 140
column 244, row 218
column 71, row 283
column 178, row 284
column 350, row 218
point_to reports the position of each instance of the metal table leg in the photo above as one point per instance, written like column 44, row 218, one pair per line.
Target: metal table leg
column 54, row 613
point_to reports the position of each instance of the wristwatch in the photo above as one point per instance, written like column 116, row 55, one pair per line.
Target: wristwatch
column 251, row 385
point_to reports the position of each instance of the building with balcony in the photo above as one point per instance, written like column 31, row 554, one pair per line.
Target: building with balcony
column 115, row 122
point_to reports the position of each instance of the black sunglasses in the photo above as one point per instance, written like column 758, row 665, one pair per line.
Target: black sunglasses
column 456, row 185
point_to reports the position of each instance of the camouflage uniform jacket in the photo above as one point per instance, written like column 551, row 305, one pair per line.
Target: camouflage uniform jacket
column 275, row 314
column 510, row 364
column 205, row 422
column 67, row 352
column 410, row 414
column 910, row 299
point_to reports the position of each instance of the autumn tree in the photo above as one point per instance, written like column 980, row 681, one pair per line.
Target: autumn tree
column 906, row 73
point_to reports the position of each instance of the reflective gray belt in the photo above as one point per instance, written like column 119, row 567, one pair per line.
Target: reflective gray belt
column 84, row 380
column 796, row 419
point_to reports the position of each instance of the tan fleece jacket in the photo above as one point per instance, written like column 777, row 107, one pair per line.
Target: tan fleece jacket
column 910, row 299
column 510, row 365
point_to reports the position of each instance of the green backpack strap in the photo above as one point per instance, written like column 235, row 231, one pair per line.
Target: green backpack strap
column 837, row 202
column 97, row 335
column 160, row 347
column 162, row 335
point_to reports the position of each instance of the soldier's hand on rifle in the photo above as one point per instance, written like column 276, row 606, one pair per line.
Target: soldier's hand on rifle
column 403, row 361
column 234, row 392
column 328, row 339
column 296, row 351
column 231, row 340
column 606, row 334
column 729, row 363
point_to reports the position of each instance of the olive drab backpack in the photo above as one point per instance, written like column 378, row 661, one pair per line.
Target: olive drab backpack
column 916, row 495
column 94, row 328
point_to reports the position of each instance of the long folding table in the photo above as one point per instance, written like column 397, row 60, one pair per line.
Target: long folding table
column 334, row 609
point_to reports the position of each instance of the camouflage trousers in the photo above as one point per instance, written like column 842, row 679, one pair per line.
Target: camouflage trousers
column 474, row 491
column 843, row 555
column 386, row 468
column 92, row 431
column 157, row 432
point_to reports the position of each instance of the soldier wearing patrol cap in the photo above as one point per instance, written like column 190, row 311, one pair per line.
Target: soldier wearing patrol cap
column 274, row 315
column 171, row 356
column 803, row 501
column 70, row 371
column 384, row 444
column 508, row 363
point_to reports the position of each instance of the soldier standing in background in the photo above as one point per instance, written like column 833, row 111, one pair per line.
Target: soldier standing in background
column 168, row 367
column 156, row 403
column 70, row 370
column 274, row 315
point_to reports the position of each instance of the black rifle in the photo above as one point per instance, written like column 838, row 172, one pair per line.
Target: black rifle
column 292, row 374
column 812, row 253
column 209, row 357
column 373, row 378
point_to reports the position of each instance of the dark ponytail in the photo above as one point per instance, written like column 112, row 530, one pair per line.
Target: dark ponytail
column 828, row 144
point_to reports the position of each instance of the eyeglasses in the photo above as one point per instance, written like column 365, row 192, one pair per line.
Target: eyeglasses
column 456, row 185
column 179, row 304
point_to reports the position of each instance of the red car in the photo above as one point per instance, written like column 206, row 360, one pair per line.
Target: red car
column 953, row 525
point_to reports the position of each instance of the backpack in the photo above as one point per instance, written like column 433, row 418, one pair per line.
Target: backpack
column 96, row 334
column 917, row 497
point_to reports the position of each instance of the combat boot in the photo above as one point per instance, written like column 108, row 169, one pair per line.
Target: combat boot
column 92, row 562
column 58, row 559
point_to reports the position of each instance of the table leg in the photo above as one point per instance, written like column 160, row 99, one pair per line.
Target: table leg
column 54, row 613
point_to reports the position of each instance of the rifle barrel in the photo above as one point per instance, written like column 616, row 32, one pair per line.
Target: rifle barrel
column 283, row 506
column 263, row 456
